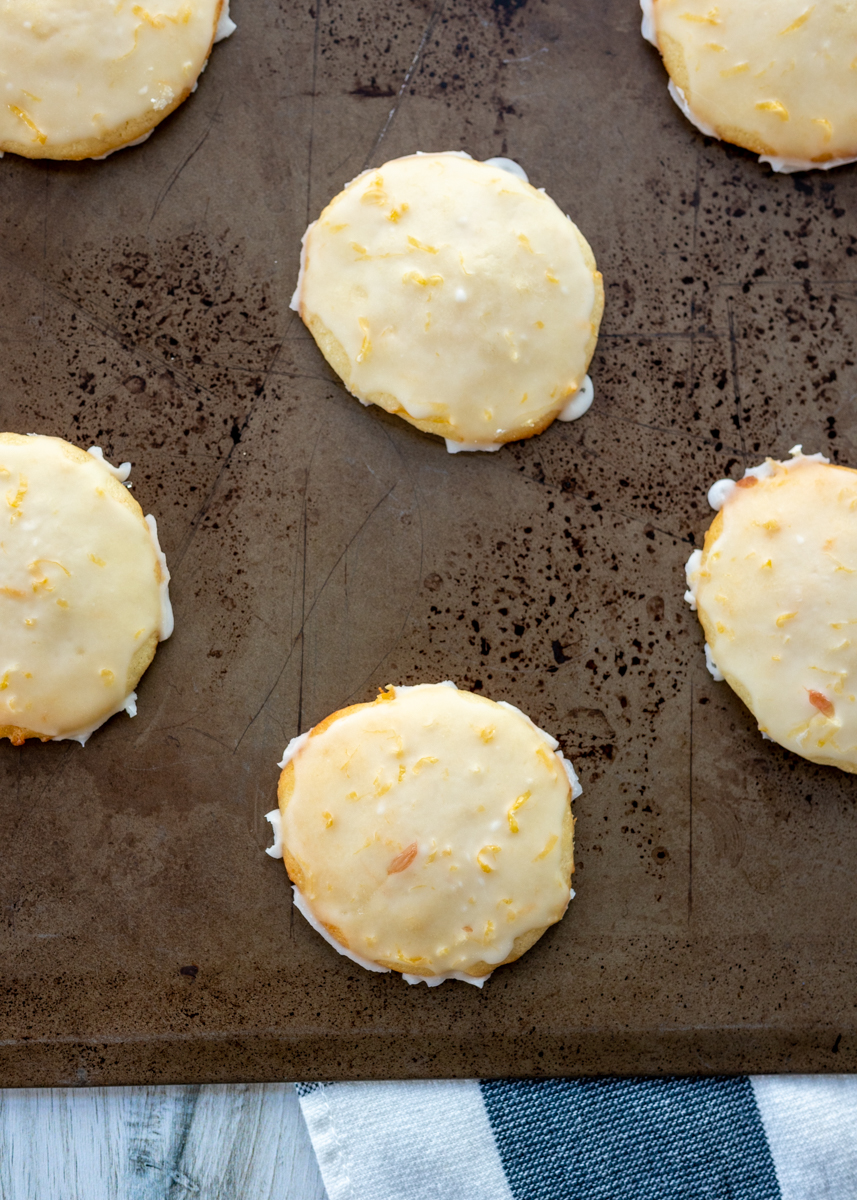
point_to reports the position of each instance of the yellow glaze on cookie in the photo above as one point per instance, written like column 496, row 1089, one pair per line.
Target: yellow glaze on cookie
column 776, row 590
column 454, row 294
column 778, row 77
column 79, row 78
column 80, row 590
column 429, row 832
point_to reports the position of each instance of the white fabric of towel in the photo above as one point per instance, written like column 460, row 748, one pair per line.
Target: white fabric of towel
column 760, row 1138
column 811, row 1126
column 376, row 1141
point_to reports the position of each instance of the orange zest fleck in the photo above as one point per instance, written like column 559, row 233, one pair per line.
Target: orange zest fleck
column 38, row 136
column 402, row 861
column 519, row 803
column 801, row 20
column 549, row 845
column 819, row 700
column 493, row 850
column 418, row 245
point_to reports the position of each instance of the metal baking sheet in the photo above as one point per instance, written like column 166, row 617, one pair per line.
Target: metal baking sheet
column 320, row 550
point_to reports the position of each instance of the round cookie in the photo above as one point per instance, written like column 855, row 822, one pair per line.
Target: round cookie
column 83, row 590
column 774, row 589
column 428, row 832
column 779, row 79
column 454, row 294
column 82, row 78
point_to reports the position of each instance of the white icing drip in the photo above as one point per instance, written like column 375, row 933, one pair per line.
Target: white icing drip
column 167, row 619
column 762, row 471
column 797, row 451
column 720, row 492
column 136, row 142
column 451, row 153
column 574, row 782
column 571, row 774
column 508, row 164
column 412, row 687
column 128, row 705
column 437, row 980
column 648, row 26
column 690, row 569
column 305, row 911
column 788, row 166
column 275, row 851
column 551, row 741
column 712, row 665
column 466, row 447
column 579, row 403
column 295, row 302
column 225, row 25
column 294, row 745
column 121, row 472
column 678, row 95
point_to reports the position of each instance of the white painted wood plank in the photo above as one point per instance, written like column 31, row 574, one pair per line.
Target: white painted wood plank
column 229, row 1142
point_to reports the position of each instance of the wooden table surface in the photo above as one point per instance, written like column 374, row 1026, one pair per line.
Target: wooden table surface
column 229, row 1141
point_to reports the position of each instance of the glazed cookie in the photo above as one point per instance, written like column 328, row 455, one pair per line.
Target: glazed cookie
column 454, row 294
column 428, row 832
column 83, row 590
column 82, row 78
column 774, row 591
column 779, row 79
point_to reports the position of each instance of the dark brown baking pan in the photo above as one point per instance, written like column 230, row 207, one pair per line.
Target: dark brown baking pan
column 320, row 550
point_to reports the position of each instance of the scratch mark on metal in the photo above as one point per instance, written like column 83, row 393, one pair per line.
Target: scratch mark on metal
column 391, row 115
column 316, row 36
column 307, row 613
column 526, row 57
column 168, row 186
column 358, row 690
column 123, row 341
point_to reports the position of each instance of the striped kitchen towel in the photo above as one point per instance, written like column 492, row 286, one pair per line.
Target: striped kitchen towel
column 736, row 1138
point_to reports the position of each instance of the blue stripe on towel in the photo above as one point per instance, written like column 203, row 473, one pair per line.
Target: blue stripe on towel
column 631, row 1139
column 304, row 1089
